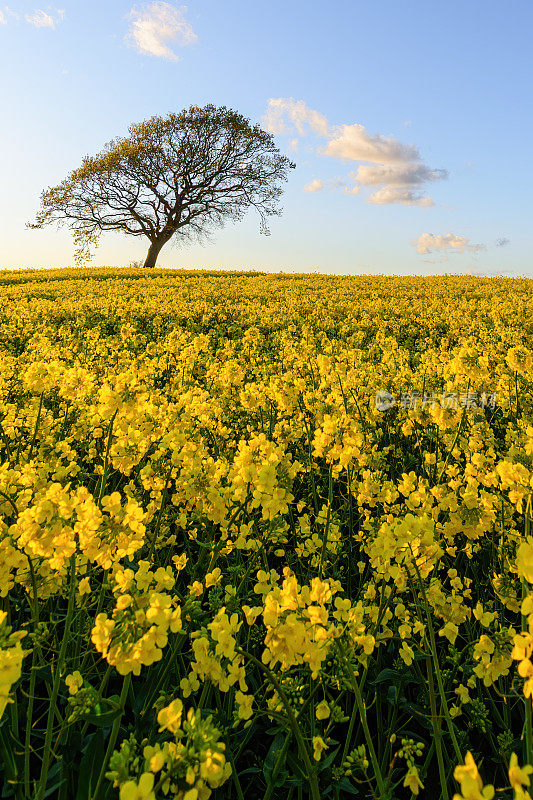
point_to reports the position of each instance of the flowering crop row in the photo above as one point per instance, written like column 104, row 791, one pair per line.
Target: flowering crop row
column 224, row 569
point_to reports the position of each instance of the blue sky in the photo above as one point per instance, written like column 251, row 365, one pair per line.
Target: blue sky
column 409, row 123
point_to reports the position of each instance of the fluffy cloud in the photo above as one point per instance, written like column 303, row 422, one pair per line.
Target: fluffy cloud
column 314, row 186
column 40, row 19
column 394, row 169
column 400, row 194
column 353, row 143
column 155, row 26
column 285, row 112
column 10, row 13
column 403, row 174
column 445, row 243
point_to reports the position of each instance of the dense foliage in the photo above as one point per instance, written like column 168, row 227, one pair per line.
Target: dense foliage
column 172, row 178
column 224, row 568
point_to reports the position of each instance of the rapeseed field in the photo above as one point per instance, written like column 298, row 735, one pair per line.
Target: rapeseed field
column 265, row 536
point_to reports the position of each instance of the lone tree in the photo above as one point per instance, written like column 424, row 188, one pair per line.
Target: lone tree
column 175, row 176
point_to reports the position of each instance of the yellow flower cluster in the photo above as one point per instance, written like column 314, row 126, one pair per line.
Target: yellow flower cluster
column 199, row 490
column 11, row 655
column 215, row 659
column 471, row 783
column 297, row 623
column 404, row 547
column 137, row 631
column 188, row 767
column 264, row 469
column 472, row 787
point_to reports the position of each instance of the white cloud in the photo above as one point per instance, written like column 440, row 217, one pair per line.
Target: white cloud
column 394, row 169
column 298, row 114
column 445, row 243
column 6, row 12
column 489, row 273
column 400, row 194
column 40, row 19
column 316, row 185
column 353, row 143
column 157, row 24
column 406, row 174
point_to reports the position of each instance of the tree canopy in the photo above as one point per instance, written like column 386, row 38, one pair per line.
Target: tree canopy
column 176, row 176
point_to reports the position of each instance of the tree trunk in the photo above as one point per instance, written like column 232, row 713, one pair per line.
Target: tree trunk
column 153, row 252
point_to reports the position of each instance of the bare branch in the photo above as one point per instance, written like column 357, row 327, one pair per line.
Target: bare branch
column 176, row 176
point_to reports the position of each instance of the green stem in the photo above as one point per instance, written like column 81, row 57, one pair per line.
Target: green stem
column 228, row 752
column 99, row 605
column 206, row 690
column 29, row 715
column 114, row 734
column 57, row 678
column 36, row 427
column 436, row 730
column 282, row 752
column 181, row 638
column 160, row 514
column 101, row 690
column 106, row 461
column 528, row 722
column 34, row 605
column 9, row 500
column 383, row 793
column 455, row 439
column 311, row 774
column 438, row 674
column 326, row 529
column 381, row 612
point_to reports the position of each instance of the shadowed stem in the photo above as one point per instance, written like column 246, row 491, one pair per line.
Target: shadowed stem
column 114, row 734
column 311, row 774
column 57, row 677
column 383, row 793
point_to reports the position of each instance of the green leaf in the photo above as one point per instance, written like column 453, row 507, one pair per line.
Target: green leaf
column 44, row 674
column 345, row 786
column 90, row 765
column 386, row 675
column 55, row 779
column 7, row 755
column 392, row 694
column 103, row 720
column 104, row 714
column 271, row 756
column 270, row 761
column 328, row 761
column 52, row 789
column 296, row 765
